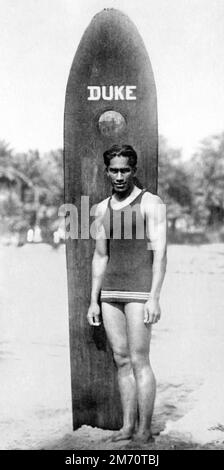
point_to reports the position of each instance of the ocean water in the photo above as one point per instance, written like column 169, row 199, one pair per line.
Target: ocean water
column 187, row 350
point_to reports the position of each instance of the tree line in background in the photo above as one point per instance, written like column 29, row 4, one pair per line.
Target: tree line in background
column 31, row 191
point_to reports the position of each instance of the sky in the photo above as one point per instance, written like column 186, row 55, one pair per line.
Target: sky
column 39, row 38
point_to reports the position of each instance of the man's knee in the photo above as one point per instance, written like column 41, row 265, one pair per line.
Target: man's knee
column 121, row 358
column 139, row 360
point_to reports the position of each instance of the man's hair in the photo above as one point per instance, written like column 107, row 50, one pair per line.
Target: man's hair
column 120, row 151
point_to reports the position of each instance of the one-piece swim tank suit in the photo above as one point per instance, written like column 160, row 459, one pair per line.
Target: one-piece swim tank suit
column 128, row 275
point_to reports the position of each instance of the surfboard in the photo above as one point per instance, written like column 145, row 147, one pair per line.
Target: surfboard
column 110, row 99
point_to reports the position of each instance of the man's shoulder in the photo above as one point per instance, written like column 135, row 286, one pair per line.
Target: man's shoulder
column 153, row 206
column 150, row 198
column 102, row 207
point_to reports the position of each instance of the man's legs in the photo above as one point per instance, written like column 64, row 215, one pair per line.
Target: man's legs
column 116, row 328
column 139, row 335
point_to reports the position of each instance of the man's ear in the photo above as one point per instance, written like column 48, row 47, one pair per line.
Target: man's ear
column 134, row 170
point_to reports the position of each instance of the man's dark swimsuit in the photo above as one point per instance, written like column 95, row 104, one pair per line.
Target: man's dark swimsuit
column 128, row 276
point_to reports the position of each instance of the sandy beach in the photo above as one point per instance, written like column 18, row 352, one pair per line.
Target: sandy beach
column 187, row 353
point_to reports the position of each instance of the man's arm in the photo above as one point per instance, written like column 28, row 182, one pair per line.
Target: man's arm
column 99, row 264
column 155, row 211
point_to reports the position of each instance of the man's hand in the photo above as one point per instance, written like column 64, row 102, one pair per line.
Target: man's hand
column 93, row 314
column 152, row 311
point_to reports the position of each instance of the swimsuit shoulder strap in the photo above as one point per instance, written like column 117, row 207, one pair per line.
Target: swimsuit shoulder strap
column 139, row 196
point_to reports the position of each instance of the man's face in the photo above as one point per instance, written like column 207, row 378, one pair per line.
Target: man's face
column 121, row 174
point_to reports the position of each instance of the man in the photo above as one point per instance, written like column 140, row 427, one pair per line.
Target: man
column 128, row 269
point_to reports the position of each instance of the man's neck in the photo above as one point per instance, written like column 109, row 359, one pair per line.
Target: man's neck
column 119, row 197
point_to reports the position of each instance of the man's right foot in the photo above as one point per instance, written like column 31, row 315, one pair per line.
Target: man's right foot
column 143, row 437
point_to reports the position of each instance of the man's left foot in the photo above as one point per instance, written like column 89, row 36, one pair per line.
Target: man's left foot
column 143, row 437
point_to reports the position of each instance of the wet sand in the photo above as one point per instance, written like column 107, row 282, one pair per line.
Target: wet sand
column 187, row 353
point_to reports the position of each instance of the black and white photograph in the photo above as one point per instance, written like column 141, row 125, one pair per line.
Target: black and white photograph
column 112, row 226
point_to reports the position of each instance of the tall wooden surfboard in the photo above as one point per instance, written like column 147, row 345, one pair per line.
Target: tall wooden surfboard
column 110, row 99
